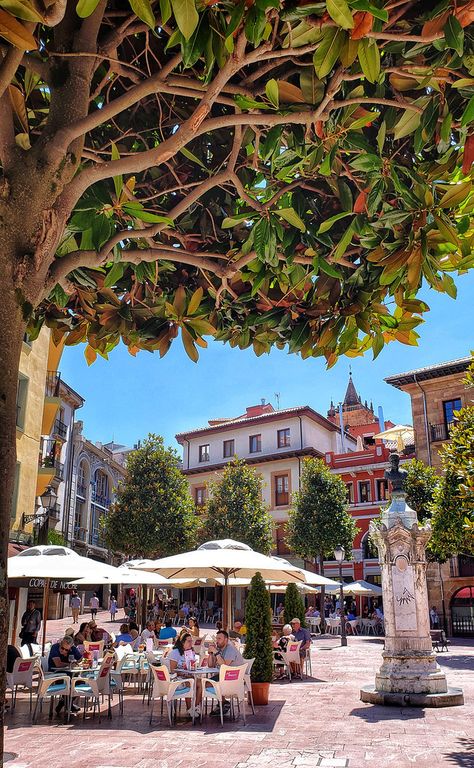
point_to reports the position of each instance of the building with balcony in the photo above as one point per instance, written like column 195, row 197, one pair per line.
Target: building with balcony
column 95, row 475
column 436, row 393
column 33, row 401
column 273, row 442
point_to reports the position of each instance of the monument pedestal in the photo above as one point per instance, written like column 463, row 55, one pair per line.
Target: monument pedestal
column 410, row 674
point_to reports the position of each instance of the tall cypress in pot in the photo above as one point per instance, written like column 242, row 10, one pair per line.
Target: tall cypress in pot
column 258, row 645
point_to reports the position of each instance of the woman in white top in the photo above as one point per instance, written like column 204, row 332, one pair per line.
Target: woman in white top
column 180, row 657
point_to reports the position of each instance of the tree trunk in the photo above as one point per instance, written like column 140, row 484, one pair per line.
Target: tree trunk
column 322, row 594
column 12, row 327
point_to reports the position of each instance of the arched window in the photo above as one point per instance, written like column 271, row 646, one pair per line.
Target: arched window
column 101, row 488
column 369, row 550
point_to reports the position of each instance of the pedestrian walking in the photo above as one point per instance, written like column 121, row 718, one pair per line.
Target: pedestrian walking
column 113, row 608
column 75, row 605
column 94, row 605
column 30, row 623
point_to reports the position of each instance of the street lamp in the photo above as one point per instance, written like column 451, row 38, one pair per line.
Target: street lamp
column 339, row 554
column 48, row 500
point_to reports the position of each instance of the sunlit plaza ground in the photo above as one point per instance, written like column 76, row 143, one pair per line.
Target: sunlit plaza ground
column 319, row 721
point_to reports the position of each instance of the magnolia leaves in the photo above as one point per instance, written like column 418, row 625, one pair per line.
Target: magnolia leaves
column 184, row 313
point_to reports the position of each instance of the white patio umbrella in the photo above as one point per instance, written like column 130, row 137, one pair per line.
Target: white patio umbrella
column 401, row 434
column 362, row 588
column 125, row 575
column 225, row 558
column 50, row 562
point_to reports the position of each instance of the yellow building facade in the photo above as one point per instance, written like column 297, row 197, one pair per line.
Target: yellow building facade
column 37, row 406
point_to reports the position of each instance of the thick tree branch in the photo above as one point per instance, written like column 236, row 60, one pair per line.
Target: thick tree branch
column 9, row 66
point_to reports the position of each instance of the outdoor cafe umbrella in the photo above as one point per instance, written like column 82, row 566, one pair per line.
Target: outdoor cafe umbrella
column 51, row 562
column 224, row 558
column 401, row 434
column 361, row 588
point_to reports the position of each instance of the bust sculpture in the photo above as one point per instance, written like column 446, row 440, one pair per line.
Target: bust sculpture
column 395, row 475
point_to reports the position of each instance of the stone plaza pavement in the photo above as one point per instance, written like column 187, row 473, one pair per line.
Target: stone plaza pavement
column 319, row 721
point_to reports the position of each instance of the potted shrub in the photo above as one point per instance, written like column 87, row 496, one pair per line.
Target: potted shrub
column 258, row 643
column 294, row 605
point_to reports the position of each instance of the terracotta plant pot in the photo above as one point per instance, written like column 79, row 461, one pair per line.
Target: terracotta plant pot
column 260, row 692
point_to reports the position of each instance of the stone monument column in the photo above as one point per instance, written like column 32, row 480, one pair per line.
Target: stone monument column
column 410, row 674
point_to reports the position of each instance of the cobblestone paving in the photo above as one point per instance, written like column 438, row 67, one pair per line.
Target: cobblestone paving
column 314, row 722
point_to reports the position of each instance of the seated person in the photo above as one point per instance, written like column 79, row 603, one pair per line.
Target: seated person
column 84, row 633
column 179, row 657
column 12, row 655
column 167, row 632
column 224, row 652
column 98, row 634
column 309, row 611
column 281, row 644
column 59, row 659
column 235, row 631
column 351, row 616
column 124, row 636
column 149, row 633
column 193, row 626
column 303, row 634
column 136, row 639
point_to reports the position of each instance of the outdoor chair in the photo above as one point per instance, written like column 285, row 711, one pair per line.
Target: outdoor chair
column 169, row 690
column 48, row 689
column 231, row 685
column 30, row 650
column 353, row 626
column 307, row 663
column 289, row 657
column 85, row 688
column 22, row 677
column 315, row 625
column 92, row 646
column 108, row 681
column 248, row 683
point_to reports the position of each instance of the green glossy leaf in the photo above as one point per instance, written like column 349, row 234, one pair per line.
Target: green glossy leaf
column 468, row 114
column 340, row 12
column 328, row 51
column 21, row 9
column 165, row 10
column 327, row 224
column 369, row 59
column 290, row 215
column 144, row 11
column 271, row 89
column 454, row 35
column 85, row 8
column 186, row 16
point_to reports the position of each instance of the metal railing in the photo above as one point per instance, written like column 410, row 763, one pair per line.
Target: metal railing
column 53, row 380
column 463, row 625
column 80, row 534
column 96, row 539
column 81, row 489
column 441, row 432
column 60, row 429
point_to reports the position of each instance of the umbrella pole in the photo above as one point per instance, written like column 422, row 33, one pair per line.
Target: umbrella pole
column 45, row 612
column 225, row 601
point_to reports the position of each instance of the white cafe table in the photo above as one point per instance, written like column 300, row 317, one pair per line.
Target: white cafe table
column 198, row 672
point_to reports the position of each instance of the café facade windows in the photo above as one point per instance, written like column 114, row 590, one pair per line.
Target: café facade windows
column 204, row 452
column 350, row 493
column 382, row 489
column 200, row 495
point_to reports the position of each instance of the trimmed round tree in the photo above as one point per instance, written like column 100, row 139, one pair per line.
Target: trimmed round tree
column 153, row 515
column 294, row 605
column 236, row 510
column 258, row 620
column 320, row 520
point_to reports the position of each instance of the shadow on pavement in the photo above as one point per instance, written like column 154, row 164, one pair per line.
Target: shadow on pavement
column 455, row 661
column 463, row 757
column 373, row 713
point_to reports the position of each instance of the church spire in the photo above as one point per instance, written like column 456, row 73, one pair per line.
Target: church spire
column 351, row 397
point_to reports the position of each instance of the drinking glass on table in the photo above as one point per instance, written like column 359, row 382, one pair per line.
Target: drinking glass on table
column 71, row 659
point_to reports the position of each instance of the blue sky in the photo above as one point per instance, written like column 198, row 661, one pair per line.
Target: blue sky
column 126, row 397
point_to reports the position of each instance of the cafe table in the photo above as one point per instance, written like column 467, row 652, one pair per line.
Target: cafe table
column 197, row 672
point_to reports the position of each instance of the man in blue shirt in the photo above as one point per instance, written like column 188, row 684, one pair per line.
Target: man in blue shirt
column 303, row 634
column 59, row 659
column 167, row 632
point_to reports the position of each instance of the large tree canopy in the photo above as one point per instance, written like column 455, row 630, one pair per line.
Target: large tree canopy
column 265, row 172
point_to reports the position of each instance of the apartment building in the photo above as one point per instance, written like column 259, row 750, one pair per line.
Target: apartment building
column 436, row 393
column 273, row 441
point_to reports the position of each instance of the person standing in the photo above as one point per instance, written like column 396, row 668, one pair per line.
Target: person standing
column 94, row 605
column 75, row 604
column 30, row 623
column 434, row 618
column 113, row 608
